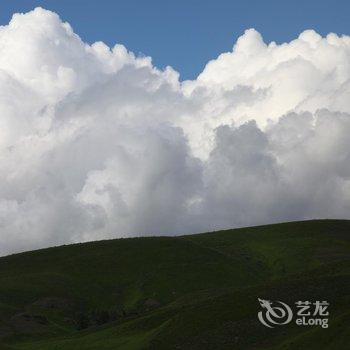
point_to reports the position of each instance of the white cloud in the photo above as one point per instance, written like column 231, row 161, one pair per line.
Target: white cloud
column 96, row 143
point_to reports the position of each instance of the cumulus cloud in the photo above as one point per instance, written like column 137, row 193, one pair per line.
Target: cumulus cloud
column 98, row 143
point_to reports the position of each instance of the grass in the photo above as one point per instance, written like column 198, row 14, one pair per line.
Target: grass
column 206, row 285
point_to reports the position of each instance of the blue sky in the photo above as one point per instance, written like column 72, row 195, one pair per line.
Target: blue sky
column 187, row 33
column 97, row 145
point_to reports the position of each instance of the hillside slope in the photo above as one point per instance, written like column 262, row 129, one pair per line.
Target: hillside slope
column 189, row 292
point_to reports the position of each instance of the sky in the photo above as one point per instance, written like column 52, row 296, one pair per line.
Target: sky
column 136, row 128
column 186, row 34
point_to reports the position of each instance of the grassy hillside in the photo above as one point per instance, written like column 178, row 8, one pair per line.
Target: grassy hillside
column 188, row 292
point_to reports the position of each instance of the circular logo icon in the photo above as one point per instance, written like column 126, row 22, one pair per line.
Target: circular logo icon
column 274, row 313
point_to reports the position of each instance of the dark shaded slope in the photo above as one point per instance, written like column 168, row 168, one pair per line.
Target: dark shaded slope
column 204, row 289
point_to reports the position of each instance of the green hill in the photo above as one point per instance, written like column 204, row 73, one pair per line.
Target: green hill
column 189, row 292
